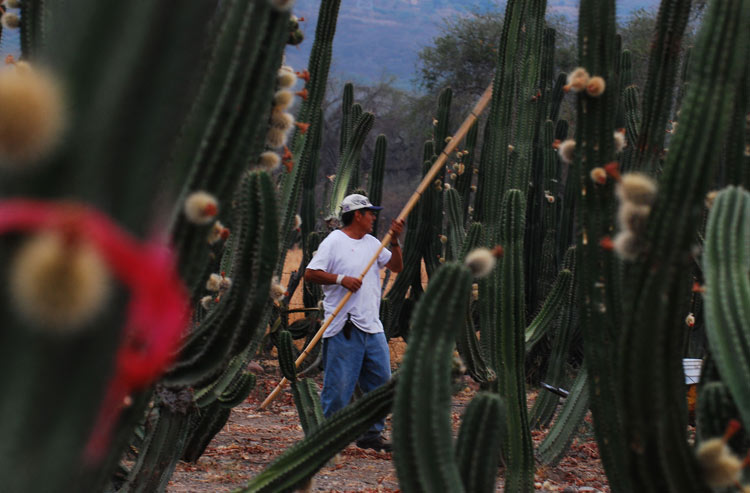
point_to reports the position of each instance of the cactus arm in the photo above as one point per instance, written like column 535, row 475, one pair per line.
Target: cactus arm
column 231, row 326
column 555, row 302
column 726, row 264
column 599, row 301
column 442, row 128
column 318, row 66
column 204, row 426
column 477, row 447
column 377, row 173
column 576, row 405
column 662, row 69
column 518, row 451
column 470, row 351
column 151, row 472
column 456, row 232
column 349, row 160
column 305, row 391
column 463, row 181
column 347, row 122
column 654, row 317
column 304, row 459
column 422, row 439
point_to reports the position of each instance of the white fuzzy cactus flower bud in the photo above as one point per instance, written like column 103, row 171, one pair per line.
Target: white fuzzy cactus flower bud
column 218, row 232
column 627, row 245
column 633, row 217
column 207, row 302
column 201, row 207
column 297, row 221
column 620, row 141
column 32, row 116
column 596, row 86
column 58, row 285
column 480, row 261
column 281, row 120
column 567, row 151
column 720, row 467
column 578, row 79
column 214, row 282
column 225, row 284
column 269, row 160
column 690, row 320
column 276, row 137
column 278, row 291
column 283, row 99
column 286, row 77
column 637, row 188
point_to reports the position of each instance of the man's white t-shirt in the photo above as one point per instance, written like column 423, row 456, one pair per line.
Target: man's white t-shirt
column 340, row 254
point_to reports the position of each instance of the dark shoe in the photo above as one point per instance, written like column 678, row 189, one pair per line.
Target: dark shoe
column 377, row 443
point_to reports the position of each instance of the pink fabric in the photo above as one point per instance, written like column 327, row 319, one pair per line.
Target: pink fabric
column 158, row 308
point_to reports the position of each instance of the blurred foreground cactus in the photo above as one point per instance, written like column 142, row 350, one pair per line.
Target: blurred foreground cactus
column 127, row 197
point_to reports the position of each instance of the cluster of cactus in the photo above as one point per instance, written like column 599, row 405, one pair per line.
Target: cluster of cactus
column 104, row 125
column 123, row 143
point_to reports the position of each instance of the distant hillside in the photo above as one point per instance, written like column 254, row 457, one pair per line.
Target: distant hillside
column 382, row 37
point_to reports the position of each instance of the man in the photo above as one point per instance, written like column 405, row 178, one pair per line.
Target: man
column 354, row 345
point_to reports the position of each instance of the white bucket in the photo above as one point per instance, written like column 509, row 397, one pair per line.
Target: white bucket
column 692, row 368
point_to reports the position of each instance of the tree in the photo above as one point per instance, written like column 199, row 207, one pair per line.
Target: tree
column 464, row 55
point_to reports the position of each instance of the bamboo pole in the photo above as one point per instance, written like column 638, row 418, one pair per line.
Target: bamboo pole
column 426, row 181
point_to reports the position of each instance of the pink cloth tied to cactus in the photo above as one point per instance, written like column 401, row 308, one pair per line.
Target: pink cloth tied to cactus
column 158, row 308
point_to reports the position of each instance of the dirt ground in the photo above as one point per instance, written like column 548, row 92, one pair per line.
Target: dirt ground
column 253, row 439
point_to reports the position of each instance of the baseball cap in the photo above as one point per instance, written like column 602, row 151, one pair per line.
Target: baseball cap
column 355, row 202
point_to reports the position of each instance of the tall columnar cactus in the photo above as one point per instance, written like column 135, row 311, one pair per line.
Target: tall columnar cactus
column 597, row 268
column 227, row 125
column 123, row 113
column 478, row 445
column 305, row 391
column 726, row 263
column 377, row 173
column 511, row 351
column 348, row 161
column 422, row 439
column 660, row 82
column 654, row 318
column 230, row 327
column 309, row 112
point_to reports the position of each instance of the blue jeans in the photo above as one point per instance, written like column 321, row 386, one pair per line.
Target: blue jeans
column 363, row 359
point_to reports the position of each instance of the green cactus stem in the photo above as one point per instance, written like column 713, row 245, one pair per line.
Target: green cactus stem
column 726, row 263
column 477, row 447
column 653, row 393
column 422, row 439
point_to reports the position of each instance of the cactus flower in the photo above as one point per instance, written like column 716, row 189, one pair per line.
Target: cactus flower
column 201, row 207
column 33, row 113
column 567, row 150
column 637, row 188
column 269, row 160
column 283, row 99
column 286, row 77
column 596, row 87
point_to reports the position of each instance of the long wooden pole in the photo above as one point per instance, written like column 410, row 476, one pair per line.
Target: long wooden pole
column 426, row 181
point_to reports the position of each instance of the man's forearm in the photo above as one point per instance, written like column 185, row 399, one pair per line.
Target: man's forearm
column 396, row 264
column 320, row 277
